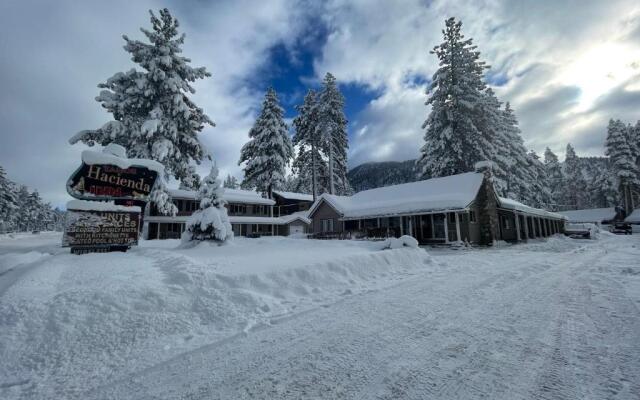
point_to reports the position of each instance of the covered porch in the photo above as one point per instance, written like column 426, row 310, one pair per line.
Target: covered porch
column 428, row 228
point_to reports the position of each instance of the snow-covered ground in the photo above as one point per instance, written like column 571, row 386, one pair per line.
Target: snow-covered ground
column 295, row 318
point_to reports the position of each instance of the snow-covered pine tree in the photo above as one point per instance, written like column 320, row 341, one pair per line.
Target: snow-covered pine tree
column 539, row 193
column 332, row 128
column 603, row 190
column 453, row 142
column 575, row 186
column 8, row 203
column 490, row 122
column 231, row 182
column 309, row 164
column 620, row 151
column 191, row 181
column 269, row 149
column 153, row 117
column 211, row 221
column 555, row 178
column 518, row 175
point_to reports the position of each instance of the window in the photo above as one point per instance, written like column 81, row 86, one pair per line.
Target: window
column 327, row 225
column 237, row 209
column 452, row 218
column 506, row 223
column 472, row 217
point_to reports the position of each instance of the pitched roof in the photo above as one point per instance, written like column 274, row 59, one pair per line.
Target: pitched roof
column 293, row 195
column 230, row 195
column 446, row 193
column 590, row 215
column 516, row 205
column 300, row 215
column 634, row 217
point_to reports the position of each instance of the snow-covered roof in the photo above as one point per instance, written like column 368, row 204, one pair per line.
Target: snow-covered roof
column 595, row 215
column 237, row 219
column 294, row 196
column 634, row 217
column 230, row 195
column 516, row 205
column 301, row 215
column 83, row 205
column 114, row 154
column 438, row 194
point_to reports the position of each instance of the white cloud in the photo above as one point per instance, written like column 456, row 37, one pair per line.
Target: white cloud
column 559, row 58
column 58, row 53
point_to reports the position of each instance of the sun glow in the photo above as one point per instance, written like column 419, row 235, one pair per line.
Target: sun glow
column 600, row 69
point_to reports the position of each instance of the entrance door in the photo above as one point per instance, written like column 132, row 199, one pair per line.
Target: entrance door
column 296, row 229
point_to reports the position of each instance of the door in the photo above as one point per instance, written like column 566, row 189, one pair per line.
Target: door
column 296, row 229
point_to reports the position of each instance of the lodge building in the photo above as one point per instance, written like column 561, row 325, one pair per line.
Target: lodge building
column 457, row 208
column 249, row 213
column 453, row 209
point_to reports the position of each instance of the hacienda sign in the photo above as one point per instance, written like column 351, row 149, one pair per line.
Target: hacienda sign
column 110, row 182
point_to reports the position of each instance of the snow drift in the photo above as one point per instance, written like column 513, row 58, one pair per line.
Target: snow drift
column 80, row 321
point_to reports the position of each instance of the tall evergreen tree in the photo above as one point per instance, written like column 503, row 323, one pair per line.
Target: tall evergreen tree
column 231, row 182
column 540, row 195
column 575, row 186
column 309, row 164
column 603, row 190
column 191, row 181
column 269, row 149
column 8, row 202
column 453, row 141
column 332, row 128
column 494, row 140
column 620, row 151
column 152, row 115
column 518, row 176
column 554, row 177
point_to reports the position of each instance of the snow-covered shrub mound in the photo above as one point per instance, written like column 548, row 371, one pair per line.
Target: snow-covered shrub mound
column 211, row 221
column 402, row 241
column 208, row 224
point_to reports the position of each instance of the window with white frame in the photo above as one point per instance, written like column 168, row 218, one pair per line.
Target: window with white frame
column 472, row 216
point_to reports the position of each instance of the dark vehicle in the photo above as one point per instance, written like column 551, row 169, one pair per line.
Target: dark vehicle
column 621, row 228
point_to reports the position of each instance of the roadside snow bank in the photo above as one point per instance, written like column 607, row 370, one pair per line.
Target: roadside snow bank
column 81, row 321
column 12, row 260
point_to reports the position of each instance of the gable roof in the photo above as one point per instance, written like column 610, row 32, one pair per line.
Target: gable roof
column 634, row 217
column 300, row 215
column 230, row 195
column 590, row 215
column 446, row 193
column 293, row 195
column 516, row 205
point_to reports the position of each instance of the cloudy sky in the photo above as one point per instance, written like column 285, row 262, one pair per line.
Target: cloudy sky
column 565, row 66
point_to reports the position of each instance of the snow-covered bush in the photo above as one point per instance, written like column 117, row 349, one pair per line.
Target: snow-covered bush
column 402, row 241
column 211, row 221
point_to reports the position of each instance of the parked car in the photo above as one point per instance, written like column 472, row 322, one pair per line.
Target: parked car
column 621, row 228
column 579, row 231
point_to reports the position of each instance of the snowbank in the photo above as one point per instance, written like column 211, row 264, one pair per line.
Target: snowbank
column 76, row 322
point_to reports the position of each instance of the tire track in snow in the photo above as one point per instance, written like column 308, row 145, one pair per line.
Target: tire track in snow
column 394, row 353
